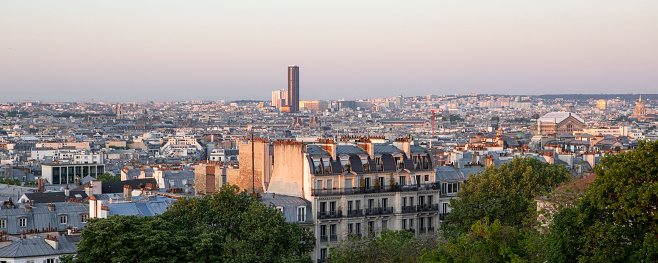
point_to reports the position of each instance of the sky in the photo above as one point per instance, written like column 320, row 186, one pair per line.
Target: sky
column 162, row 50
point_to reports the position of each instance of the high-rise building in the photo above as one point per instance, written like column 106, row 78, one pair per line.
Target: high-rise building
column 293, row 88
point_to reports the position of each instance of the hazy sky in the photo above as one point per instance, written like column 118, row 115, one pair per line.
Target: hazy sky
column 192, row 50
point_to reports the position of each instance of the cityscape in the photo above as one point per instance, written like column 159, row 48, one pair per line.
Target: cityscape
column 287, row 173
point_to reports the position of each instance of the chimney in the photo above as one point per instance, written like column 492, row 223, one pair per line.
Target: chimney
column 67, row 192
column 127, row 193
column 51, row 207
column 28, row 208
column 42, row 187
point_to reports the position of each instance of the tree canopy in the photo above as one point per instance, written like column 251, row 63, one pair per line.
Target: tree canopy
column 488, row 242
column 616, row 219
column 504, row 193
column 390, row 246
column 108, row 177
column 227, row 226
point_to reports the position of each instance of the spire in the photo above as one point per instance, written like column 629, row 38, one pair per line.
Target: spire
column 640, row 98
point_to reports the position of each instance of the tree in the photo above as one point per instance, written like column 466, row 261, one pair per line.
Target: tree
column 227, row 226
column 390, row 246
column 616, row 219
column 504, row 193
column 487, row 242
column 108, row 177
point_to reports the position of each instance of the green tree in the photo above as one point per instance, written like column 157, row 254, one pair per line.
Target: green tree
column 390, row 246
column 487, row 242
column 108, row 177
column 504, row 193
column 616, row 220
column 227, row 226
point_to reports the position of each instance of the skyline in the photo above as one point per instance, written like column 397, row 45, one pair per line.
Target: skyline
column 175, row 50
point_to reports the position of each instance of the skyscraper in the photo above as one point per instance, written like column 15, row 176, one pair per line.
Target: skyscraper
column 293, row 88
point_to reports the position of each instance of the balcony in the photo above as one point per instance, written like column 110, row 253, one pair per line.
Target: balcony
column 373, row 211
column 355, row 213
column 428, row 207
column 323, row 238
column 409, row 209
column 330, row 214
column 387, row 210
column 333, row 238
column 375, row 189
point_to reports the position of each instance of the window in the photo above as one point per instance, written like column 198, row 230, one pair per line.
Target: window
column 63, row 219
column 350, row 228
column 83, row 218
column 279, row 208
column 402, row 180
column 384, row 224
column 385, row 202
column 301, row 214
column 429, row 200
column 429, row 223
column 411, row 224
column 358, row 229
column 427, row 178
column 22, row 222
column 404, row 223
column 50, row 260
column 371, row 227
column 350, row 205
column 323, row 233
column 3, row 223
column 404, row 201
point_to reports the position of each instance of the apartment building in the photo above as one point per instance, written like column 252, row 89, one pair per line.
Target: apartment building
column 356, row 186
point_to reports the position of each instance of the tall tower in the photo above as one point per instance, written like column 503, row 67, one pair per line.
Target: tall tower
column 293, row 88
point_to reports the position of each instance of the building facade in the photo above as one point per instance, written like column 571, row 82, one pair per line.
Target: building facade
column 67, row 173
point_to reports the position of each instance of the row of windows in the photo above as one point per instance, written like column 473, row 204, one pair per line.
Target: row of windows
column 63, row 219
column 368, row 182
column 383, row 202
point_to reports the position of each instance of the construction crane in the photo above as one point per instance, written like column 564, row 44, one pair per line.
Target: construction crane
column 433, row 116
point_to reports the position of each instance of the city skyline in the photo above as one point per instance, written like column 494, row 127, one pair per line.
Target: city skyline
column 175, row 50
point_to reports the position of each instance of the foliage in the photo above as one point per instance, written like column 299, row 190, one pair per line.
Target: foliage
column 615, row 221
column 487, row 242
column 504, row 193
column 225, row 227
column 108, row 177
column 9, row 181
column 390, row 246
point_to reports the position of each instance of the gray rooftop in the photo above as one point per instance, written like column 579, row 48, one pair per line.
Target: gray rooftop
column 37, row 246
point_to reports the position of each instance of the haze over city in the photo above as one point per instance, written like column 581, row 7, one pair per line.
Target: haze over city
column 182, row 50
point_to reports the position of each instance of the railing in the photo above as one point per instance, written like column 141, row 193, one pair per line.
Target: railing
column 409, row 209
column 411, row 230
column 333, row 238
column 387, row 210
column 355, row 213
column 376, row 189
column 428, row 207
column 422, row 230
column 330, row 214
column 373, row 211
column 323, row 238
column 322, row 260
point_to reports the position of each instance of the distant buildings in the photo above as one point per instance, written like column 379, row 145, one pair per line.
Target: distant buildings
column 559, row 122
column 279, row 98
